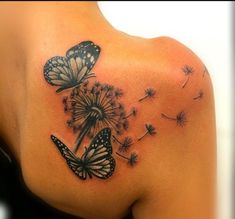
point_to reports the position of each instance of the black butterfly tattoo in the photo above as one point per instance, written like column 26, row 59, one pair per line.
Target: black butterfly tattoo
column 97, row 159
column 73, row 69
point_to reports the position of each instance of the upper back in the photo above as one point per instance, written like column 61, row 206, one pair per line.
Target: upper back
column 153, row 96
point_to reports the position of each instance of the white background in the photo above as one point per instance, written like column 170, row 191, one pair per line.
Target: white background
column 205, row 27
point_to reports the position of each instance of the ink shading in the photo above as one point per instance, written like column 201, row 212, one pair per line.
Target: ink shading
column 95, row 112
column 199, row 95
column 132, row 160
column 133, row 112
column 97, row 159
column 93, row 108
column 187, row 70
column 180, row 118
column 149, row 93
column 150, row 130
column 125, row 144
column 73, row 69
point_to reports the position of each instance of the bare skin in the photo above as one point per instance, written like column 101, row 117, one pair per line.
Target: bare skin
column 175, row 174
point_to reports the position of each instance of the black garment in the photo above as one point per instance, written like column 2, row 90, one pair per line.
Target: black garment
column 20, row 201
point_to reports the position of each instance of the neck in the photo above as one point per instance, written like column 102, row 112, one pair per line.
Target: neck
column 86, row 16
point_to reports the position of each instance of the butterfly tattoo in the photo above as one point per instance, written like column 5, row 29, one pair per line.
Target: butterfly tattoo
column 97, row 159
column 73, row 69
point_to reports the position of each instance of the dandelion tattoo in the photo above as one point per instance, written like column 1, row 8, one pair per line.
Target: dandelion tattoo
column 150, row 130
column 95, row 112
column 187, row 70
column 132, row 113
column 125, row 145
column 199, row 95
column 180, row 118
column 93, row 108
column 132, row 160
column 149, row 93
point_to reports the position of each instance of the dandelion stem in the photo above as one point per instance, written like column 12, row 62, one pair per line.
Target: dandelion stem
column 117, row 140
column 122, row 156
column 128, row 116
column 143, row 98
column 185, row 83
column 142, row 136
column 86, row 128
column 197, row 97
column 167, row 117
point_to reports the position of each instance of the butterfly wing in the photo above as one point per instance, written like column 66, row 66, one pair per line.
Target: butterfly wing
column 58, row 73
column 74, row 163
column 81, row 59
column 72, row 70
column 98, row 156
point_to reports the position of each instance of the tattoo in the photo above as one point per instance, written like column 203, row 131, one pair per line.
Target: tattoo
column 74, row 69
column 150, row 92
column 199, row 95
column 150, row 130
column 97, row 159
column 95, row 107
column 180, row 118
column 125, row 145
column 187, row 70
column 132, row 160
column 95, row 112
column 133, row 112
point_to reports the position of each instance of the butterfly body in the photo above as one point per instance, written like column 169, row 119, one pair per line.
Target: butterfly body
column 97, row 159
column 73, row 69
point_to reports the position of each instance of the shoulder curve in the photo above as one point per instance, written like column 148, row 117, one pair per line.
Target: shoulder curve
column 184, row 77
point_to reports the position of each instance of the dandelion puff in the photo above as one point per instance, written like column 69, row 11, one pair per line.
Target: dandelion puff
column 149, row 93
column 133, row 112
column 95, row 107
column 150, row 130
column 125, row 144
column 132, row 160
column 180, row 118
column 187, row 70
column 118, row 93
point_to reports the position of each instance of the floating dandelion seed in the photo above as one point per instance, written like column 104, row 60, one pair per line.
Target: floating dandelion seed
column 150, row 92
column 125, row 124
column 150, row 130
column 132, row 160
column 118, row 93
column 199, row 96
column 93, row 108
column 180, row 118
column 125, row 145
column 133, row 112
column 187, row 70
